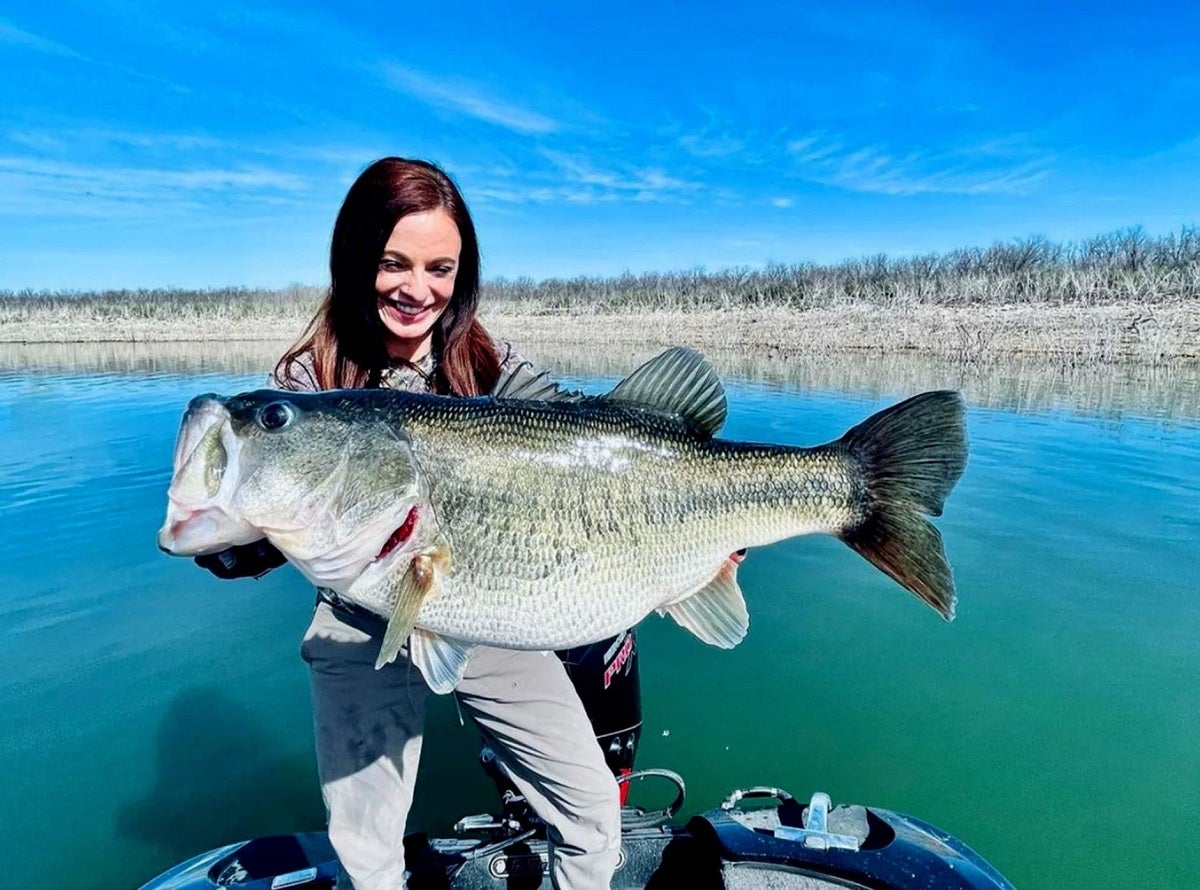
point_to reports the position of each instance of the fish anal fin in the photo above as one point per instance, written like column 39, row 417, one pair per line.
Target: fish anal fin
column 421, row 580
column 440, row 660
column 717, row 612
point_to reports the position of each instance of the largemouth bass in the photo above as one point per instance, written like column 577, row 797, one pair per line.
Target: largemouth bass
column 549, row 524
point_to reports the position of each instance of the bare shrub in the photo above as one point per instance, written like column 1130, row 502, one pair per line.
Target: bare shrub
column 1124, row 294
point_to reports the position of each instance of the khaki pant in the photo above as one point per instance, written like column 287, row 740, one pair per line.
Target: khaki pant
column 369, row 725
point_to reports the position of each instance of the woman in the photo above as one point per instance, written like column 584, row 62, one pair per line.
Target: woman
column 400, row 312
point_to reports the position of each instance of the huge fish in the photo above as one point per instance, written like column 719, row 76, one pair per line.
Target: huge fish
column 544, row 524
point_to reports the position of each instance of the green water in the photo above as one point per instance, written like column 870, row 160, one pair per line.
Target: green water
column 151, row 711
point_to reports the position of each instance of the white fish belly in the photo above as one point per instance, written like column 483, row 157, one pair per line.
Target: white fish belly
column 558, row 613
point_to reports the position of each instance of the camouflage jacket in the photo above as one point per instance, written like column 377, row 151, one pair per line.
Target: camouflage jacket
column 517, row 373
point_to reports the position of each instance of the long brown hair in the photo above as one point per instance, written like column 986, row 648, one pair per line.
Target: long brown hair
column 344, row 345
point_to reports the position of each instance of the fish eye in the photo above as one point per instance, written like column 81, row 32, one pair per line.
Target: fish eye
column 275, row 415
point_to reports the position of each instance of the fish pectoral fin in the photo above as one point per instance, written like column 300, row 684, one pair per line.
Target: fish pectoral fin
column 441, row 661
column 414, row 586
column 717, row 612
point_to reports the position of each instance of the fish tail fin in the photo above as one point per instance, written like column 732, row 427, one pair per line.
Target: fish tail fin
column 911, row 455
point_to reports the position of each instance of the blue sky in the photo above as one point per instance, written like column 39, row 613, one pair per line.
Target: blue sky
column 210, row 144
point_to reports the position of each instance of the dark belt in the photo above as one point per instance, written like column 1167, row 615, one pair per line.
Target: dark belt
column 325, row 595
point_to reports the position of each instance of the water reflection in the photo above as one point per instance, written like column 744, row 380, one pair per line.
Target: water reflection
column 216, row 780
column 238, row 357
column 1024, row 384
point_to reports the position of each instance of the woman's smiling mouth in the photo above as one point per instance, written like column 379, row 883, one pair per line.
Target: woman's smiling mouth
column 402, row 308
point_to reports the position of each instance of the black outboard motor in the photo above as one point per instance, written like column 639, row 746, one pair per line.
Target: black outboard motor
column 605, row 675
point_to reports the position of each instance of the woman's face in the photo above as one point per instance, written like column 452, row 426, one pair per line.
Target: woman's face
column 416, row 280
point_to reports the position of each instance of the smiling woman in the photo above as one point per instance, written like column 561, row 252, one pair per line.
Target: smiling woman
column 404, row 289
column 416, row 280
column 400, row 314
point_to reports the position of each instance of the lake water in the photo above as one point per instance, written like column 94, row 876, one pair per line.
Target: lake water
column 151, row 711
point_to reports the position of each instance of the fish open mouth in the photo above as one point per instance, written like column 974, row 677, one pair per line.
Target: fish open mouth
column 401, row 534
column 199, row 519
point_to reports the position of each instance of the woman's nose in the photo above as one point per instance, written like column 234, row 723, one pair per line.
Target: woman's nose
column 415, row 284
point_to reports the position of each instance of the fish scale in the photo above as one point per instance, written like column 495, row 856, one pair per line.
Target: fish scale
column 624, row 526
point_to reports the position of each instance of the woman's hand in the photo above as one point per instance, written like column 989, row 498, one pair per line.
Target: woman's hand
column 243, row 560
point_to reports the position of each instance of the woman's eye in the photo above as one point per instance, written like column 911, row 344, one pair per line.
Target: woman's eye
column 275, row 416
column 390, row 266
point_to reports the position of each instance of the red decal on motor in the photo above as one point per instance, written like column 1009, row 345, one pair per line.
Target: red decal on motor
column 619, row 660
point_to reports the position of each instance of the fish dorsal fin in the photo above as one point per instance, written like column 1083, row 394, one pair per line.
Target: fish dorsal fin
column 421, row 580
column 679, row 381
column 441, row 661
column 717, row 612
column 522, row 382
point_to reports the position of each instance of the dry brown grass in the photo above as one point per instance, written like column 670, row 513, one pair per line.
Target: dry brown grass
column 1119, row 297
column 1151, row 333
column 1134, row 331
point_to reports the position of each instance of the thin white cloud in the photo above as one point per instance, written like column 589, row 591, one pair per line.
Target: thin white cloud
column 709, row 145
column 960, row 108
column 138, row 179
column 575, row 179
column 722, row 139
column 73, row 139
column 569, row 179
column 540, row 195
column 782, row 203
column 149, row 142
column 467, row 99
column 1187, row 150
column 165, row 26
column 14, row 36
column 38, row 141
column 641, row 183
column 161, row 141
column 994, row 167
column 39, row 188
column 812, row 148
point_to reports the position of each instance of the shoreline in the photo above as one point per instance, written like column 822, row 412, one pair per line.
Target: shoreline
column 1114, row 389
column 1131, row 331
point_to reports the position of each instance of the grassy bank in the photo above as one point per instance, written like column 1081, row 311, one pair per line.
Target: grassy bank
column 1123, row 296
